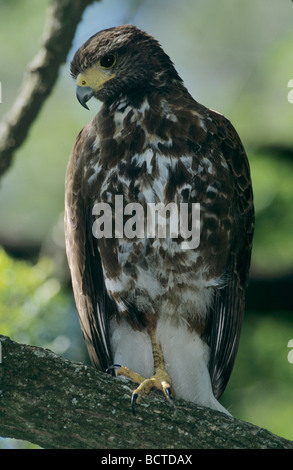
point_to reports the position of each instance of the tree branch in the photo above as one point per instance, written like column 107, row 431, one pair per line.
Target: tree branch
column 57, row 403
column 63, row 17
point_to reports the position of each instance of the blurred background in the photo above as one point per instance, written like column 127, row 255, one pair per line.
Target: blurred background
column 235, row 57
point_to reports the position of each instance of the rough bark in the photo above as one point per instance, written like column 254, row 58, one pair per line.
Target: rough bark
column 63, row 17
column 56, row 403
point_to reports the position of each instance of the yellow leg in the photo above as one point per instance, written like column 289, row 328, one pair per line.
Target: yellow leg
column 160, row 380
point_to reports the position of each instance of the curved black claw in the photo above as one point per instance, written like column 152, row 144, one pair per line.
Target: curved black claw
column 133, row 402
column 169, row 395
column 113, row 366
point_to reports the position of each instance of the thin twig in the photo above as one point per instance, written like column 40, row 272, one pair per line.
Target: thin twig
column 63, row 17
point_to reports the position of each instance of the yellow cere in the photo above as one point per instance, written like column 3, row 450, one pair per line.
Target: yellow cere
column 94, row 77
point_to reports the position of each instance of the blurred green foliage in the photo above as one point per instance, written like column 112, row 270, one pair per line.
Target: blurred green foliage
column 272, row 177
column 260, row 388
column 30, row 298
column 35, row 308
column 237, row 60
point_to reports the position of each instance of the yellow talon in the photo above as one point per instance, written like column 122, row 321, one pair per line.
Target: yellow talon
column 160, row 380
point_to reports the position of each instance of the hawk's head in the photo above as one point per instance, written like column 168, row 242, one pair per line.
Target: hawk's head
column 121, row 60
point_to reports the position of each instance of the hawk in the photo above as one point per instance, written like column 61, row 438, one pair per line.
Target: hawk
column 162, row 312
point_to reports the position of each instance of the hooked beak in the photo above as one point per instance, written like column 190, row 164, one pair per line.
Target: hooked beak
column 84, row 94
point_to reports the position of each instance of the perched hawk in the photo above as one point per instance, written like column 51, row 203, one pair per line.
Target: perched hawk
column 167, row 310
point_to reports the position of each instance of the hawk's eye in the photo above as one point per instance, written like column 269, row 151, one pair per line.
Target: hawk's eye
column 108, row 61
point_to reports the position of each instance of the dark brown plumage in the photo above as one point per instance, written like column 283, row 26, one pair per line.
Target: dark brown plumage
column 152, row 142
